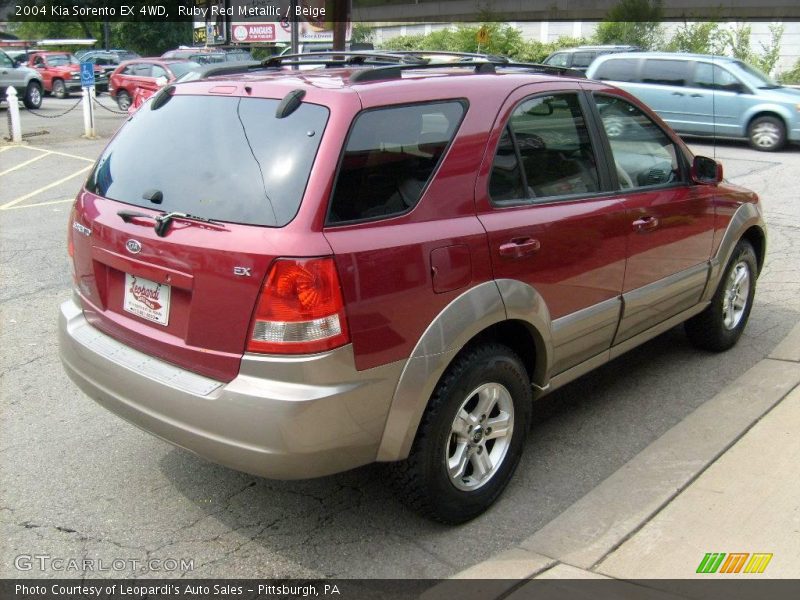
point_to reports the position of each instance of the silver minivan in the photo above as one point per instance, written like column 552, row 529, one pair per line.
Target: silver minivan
column 706, row 95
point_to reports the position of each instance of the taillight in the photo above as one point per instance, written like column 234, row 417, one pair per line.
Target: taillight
column 300, row 309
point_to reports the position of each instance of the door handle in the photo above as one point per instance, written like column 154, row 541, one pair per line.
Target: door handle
column 696, row 95
column 519, row 247
column 677, row 93
column 645, row 224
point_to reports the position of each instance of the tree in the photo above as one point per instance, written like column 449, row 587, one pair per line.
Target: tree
column 632, row 22
column 701, row 38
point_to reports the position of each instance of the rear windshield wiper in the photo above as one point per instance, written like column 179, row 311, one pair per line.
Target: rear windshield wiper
column 163, row 221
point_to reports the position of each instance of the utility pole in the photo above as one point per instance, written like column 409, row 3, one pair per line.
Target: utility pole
column 295, row 31
column 341, row 16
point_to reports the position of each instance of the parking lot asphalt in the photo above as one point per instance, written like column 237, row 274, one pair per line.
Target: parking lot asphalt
column 77, row 482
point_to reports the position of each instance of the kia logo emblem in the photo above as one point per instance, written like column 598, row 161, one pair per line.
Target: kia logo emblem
column 133, row 246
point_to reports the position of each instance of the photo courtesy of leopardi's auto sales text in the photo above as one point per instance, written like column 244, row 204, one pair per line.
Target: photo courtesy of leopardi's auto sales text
column 399, row 299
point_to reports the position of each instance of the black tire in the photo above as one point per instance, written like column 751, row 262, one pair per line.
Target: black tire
column 767, row 134
column 123, row 100
column 423, row 479
column 33, row 95
column 59, row 89
column 709, row 330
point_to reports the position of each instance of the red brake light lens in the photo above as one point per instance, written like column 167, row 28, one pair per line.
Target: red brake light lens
column 300, row 309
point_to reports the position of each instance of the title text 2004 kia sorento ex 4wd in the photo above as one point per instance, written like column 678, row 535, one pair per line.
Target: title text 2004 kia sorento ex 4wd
column 297, row 273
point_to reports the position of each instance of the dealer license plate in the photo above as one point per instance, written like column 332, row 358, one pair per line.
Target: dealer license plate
column 146, row 299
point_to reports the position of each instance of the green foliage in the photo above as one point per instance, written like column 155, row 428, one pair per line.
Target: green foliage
column 503, row 40
column 633, row 22
column 701, row 38
column 791, row 77
column 150, row 39
column 362, row 34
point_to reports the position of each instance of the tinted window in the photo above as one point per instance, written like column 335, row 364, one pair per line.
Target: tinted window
column 664, row 72
column 643, row 154
column 142, row 70
column 506, row 179
column 227, row 159
column 158, row 72
column 618, row 69
column 560, row 59
column 583, row 59
column 389, row 159
column 552, row 144
column 5, row 61
column 713, row 77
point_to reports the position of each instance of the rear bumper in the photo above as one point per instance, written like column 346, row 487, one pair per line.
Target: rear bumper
column 281, row 417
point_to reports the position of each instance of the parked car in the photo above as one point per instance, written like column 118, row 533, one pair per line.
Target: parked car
column 107, row 60
column 144, row 73
column 209, row 55
column 119, row 54
column 61, row 73
column 581, row 57
column 295, row 276
column 26, row 82
column 707, row 95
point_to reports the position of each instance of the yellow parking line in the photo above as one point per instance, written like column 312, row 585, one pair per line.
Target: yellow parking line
column 91, row 160
column 49, row 202
column 26, row 163
column 8, row 205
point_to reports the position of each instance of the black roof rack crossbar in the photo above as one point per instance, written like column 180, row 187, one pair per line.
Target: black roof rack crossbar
column 341, row 57
column 546, row 69
column 229, row 69
column 494, row 58
column 396, row 71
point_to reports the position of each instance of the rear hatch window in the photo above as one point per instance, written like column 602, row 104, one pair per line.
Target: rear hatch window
column 223, row 158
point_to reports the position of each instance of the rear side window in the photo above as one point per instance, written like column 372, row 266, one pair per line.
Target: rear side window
column 390, row 156
column 618, row 69
column 713, row 77
column 664, row 72
column 560, row 59
column 547, row 136
column 583, row 59
column 223, row 158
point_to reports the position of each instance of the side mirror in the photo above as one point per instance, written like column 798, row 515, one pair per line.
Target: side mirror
column 706, row 171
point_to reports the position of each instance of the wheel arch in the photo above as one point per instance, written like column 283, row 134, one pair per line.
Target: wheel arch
column 766, row 111
column 504, row 311
column 747, row 223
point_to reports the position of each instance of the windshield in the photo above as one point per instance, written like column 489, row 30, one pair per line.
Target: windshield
column 222, row 158
column 181, row 68
column 755, row 77
column 57, row 60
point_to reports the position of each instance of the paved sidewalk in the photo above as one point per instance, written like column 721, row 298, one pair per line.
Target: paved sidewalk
column 724, row 480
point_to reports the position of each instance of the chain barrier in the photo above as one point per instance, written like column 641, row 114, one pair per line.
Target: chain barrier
column 69, row 110
column 111, row 110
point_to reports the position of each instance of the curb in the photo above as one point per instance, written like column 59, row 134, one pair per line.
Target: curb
column 574, row 543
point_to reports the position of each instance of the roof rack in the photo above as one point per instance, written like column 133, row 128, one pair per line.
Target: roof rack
column 342, row 57
column 478, row 66
column 465, row 56
column 228, row 69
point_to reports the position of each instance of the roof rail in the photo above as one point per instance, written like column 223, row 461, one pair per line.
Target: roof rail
column 495, row 58
column 396, row 71
column 478, row 66
column 228, row 69
column 341, row 57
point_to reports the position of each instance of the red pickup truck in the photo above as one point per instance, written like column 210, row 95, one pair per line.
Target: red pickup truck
column 61, row 73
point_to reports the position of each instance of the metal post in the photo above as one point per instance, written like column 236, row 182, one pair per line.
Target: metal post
column 88, row 113
column 295, row 29
column 13, row 115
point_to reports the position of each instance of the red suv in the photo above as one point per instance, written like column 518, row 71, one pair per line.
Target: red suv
column 297, row 273
column 61, row 73
column 142, row 75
